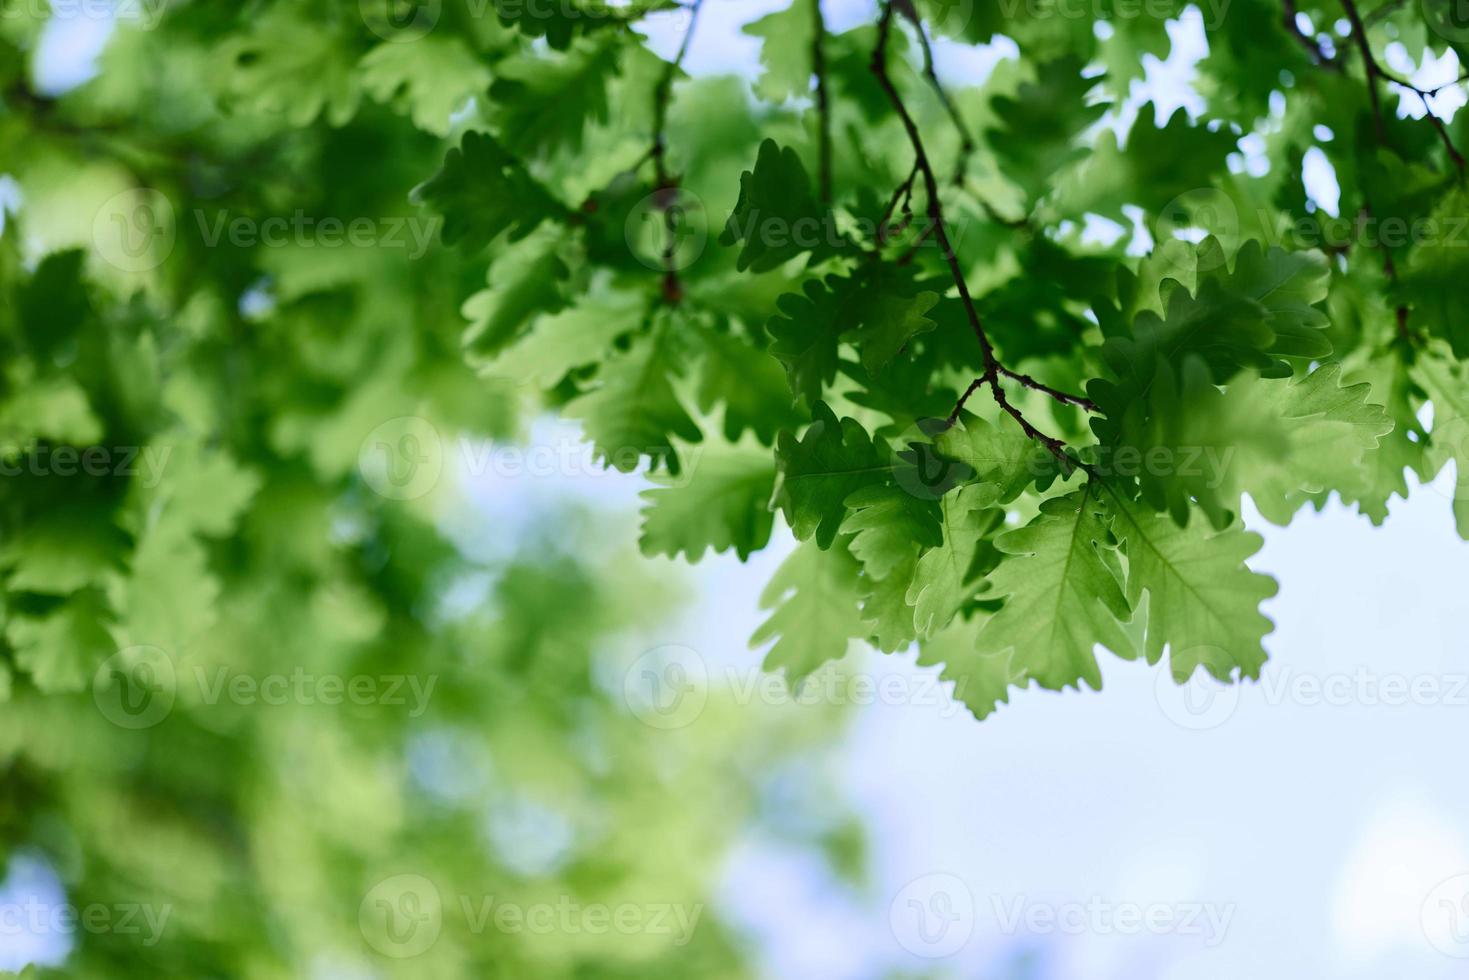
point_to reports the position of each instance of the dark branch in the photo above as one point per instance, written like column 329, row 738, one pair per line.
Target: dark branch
column 993, row 369
column 823, row 106
column 665, row 183
column 966, row 141
column 1318, row 54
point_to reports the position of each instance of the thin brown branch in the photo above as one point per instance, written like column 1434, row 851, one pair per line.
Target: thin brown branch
column 930, row 182
column 1438, row 124
column 1055, row 446
column 665, row 183
column 974, row 386
column 1312, row 46
column 1063, row 397
column 823, row 103
column 992, row 367
column 1369, row 62
column 966, row 140
column 903, row 194
column 1376, row 72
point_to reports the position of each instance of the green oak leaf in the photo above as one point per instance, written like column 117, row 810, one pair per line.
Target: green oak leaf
column 997, row 454
column 722, row 501
column 778, row 217
column 888, row 525
column 62, row 648
column 527, row 280
column 747, row 381
column 632, row 411
column 1446, row 386
column 804, row 338
column 888, row 324
column 814, row 610
column 948, row 575
column 482, row 191
column 431, row 79
column 818, row 472
column 785, row 51
column 561, row 342
column 1061, row 581
column 1203, row 600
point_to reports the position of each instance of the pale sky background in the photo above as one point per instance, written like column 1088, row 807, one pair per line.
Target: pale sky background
column 1319, row 831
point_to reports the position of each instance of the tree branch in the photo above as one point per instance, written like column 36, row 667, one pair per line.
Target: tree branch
column 1292, row 24
column 966, row 141
column 823, row 105
column 664, row 182
column 993, row 369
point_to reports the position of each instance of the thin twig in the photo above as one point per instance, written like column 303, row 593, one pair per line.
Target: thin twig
column 903, row 194
column 664, row 182
column 1375, row 71
column 1318, row 54
column 966, row 141
column 823, row 106
column 992, row 367
column 1438, row 124
column 1359, row 34
column 930, row 182
column 974, row 386
column 1063, row 397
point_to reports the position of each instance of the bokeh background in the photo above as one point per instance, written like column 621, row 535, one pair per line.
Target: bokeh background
column 1310, row 825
